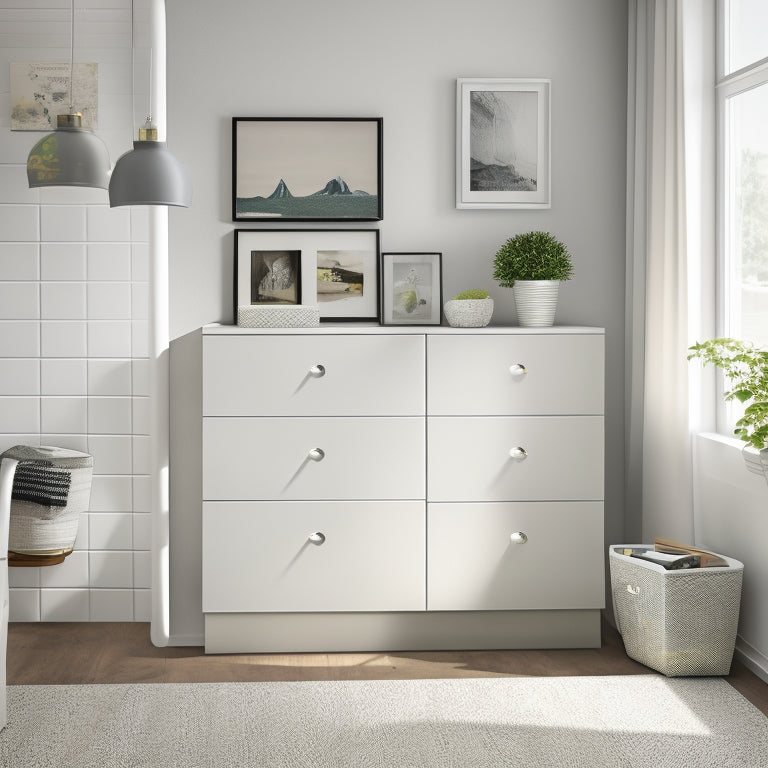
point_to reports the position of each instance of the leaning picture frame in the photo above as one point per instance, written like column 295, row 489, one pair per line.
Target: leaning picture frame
column 338, row 270
column 307, row 169
column 412, row 292
column 503, row 143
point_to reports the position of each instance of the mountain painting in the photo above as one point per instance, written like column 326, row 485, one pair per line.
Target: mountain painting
column 295, row 169
column 334, row 201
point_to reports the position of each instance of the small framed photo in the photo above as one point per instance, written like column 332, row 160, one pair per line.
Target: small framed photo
column 412, row 288
column 502, row 143
column 337, row 270
column 307, row 169
column 275, row 277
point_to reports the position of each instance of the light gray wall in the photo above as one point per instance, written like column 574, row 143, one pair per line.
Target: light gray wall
column 399, row 60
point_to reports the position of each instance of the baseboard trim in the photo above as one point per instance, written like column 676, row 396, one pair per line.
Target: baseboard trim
column 436, row 631
column 752, row 659
column 185, row 640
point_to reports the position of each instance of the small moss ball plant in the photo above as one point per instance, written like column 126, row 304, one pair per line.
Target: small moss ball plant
column 532, row 256
column 469, row 309
column 471, row 294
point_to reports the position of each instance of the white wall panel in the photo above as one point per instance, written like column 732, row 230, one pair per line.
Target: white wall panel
column 70, row 336
column 63, row 261
column 20, row 261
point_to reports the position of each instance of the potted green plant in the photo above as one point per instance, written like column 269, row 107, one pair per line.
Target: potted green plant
column 745, row 367
column 469, row 309
column 533, row 264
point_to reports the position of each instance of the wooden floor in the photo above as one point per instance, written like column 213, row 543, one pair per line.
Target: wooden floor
column 52, row 653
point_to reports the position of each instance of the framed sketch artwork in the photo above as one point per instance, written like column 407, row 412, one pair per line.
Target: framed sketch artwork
column 274, row 277
column 306, row 169
column 502, row 143
column 337, row 270
column 411, row 288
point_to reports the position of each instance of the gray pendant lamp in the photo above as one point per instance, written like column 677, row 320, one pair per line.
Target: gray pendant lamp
column 149, row 174
column 71, row 156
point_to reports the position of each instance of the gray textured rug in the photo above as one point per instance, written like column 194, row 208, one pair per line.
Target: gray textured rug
column 639, row 720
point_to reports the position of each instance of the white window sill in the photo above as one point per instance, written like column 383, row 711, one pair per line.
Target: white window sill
column 755, row 461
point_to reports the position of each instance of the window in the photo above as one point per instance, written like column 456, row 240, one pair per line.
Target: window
column 742, row 180
column 742, row 98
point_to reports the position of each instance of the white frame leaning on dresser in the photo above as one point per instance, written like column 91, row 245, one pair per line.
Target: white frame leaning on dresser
column 372, row 487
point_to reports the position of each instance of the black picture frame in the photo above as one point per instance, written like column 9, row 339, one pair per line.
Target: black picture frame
column 307, row 169
column 412, row 288
column 339, row 269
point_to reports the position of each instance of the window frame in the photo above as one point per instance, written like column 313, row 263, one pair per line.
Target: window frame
column 727, row 86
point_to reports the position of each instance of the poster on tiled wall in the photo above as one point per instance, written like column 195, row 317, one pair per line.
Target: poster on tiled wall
column 41, row 91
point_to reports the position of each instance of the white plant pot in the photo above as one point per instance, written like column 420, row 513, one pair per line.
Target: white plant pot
column 468, row 313
column 536, row 302
column 756, row 460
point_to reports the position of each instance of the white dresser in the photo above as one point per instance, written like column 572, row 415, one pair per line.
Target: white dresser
column 389, row 488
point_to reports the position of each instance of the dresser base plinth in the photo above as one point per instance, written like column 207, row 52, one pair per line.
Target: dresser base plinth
column 437, row 631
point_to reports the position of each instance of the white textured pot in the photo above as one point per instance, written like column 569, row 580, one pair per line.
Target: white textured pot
column 468, row 313
column 536, row 302
column 756, row 460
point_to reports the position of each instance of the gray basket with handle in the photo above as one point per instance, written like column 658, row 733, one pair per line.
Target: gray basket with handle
column 678, row 622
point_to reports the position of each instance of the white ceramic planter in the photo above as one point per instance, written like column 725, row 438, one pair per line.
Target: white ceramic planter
column 468, row 313
column 756, row 460
column 536, row 302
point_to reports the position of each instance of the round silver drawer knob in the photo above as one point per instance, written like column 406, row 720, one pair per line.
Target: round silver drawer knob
column 316, row 371
column 518, row 452
column 317, row 538
column 316, row 454
column 518, row 369
column 518, row 537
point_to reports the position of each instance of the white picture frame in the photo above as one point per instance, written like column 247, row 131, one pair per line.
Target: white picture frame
column 418, row 278
column 503, row 143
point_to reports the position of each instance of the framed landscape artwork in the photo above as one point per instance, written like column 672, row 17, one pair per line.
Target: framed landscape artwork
column 503, row 143
column 306, row 169
column 338, row 270
column 411, row 288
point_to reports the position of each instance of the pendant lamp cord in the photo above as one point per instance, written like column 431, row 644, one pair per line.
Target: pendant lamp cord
column 71, row 57
column 151, row 65
column 133, row 73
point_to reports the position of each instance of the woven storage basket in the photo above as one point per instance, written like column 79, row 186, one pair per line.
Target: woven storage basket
column 52, row 486
column 681, row 622
column 278, row 316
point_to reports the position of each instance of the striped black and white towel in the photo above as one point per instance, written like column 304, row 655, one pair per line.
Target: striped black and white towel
column 41, row 483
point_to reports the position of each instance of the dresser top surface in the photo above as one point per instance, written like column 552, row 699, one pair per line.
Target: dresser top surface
column 219, row 329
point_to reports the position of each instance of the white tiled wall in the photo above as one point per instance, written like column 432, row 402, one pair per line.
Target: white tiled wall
column 73, row 319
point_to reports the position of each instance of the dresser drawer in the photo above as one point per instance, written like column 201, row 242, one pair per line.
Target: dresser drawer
column 515, row 374
column 322, row 556
column 313, row 375
column 313, row 458
column 556, row 560
column 515, row 458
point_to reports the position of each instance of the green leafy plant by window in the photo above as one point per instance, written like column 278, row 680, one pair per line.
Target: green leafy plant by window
column 532, row 256
column 472, row 293
column 745, row 367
